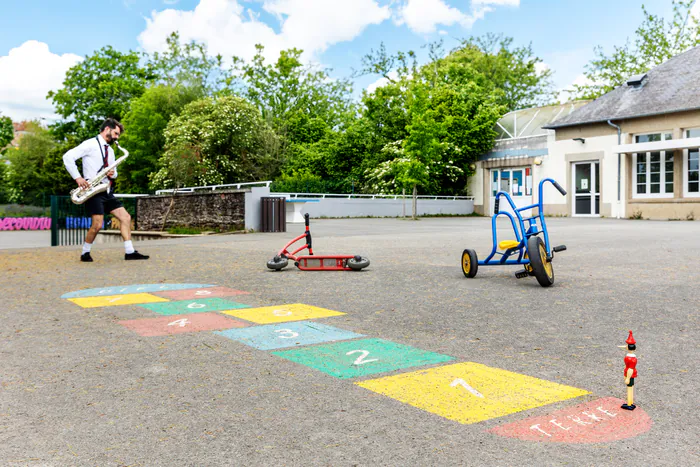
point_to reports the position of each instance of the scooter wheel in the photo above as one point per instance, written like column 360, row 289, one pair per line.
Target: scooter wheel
column 358, row 262
column 542, row 269
column 277, row 263
column 470, row 263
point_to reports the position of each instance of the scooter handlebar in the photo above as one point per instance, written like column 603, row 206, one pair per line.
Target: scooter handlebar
column 306, row 219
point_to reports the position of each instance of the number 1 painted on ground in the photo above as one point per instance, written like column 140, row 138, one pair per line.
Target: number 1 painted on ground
column 461, row 382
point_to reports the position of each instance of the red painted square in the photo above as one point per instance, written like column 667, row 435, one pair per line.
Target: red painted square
column 205, row 292
column 179, row 324
column 598, row 421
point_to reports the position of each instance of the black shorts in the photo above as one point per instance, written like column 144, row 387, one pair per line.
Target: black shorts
column 631, row 383
column 101, row 203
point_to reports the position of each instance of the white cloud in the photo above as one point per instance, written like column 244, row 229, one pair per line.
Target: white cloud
column 695, row 11
column 381, row 82
column 423, row 16
column 227, row 28
column 27, row 74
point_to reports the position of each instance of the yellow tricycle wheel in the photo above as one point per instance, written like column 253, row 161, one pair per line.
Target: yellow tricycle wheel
column 470, row 263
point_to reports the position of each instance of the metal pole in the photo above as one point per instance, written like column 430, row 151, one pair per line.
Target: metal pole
column 619, row 163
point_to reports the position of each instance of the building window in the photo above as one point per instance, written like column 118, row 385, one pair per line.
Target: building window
column 691, row 167
column 654, row 169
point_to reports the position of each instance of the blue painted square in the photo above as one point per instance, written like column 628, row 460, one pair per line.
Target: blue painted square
column 291, row 334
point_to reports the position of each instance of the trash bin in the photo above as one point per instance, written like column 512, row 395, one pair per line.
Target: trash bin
column 273, row 214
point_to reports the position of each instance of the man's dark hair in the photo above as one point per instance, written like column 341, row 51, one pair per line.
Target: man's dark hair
column 112, row 124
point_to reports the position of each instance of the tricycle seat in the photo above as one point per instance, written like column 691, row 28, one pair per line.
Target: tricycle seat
column 507, row 244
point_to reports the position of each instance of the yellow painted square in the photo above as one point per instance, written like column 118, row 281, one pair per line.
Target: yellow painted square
column 470, row 392
column 113, row 300
column 282, row 313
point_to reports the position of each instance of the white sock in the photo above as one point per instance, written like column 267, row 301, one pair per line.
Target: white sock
column 86, row 247
column 129, row 247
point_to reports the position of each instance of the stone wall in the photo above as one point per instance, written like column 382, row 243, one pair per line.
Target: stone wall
column 215, row 210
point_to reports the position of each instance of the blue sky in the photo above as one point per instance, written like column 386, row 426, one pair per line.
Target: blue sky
column 40, row 40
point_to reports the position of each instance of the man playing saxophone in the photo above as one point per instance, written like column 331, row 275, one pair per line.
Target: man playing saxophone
column 96, row 155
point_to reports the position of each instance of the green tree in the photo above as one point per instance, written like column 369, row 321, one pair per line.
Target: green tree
column 101, row 86
column 289, row 92
column 144, row 127
column 188, row 65
column 7, row 132
column 656, row 40
column 227, row 137
column 27, row 176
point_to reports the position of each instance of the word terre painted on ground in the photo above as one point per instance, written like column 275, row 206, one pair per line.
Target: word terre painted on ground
column 25, row 223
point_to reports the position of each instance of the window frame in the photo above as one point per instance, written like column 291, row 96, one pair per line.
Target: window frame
column 666, row 135
column 686, row 163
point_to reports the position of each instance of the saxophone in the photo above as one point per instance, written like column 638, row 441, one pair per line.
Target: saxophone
column 80, row 195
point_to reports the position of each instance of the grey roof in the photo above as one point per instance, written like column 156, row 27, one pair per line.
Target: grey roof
column 671, row 87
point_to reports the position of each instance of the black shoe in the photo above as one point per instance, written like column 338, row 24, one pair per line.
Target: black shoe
column 134, row 255
column 86, row 258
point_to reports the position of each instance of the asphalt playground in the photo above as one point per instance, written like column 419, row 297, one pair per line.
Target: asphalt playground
column 203, row 356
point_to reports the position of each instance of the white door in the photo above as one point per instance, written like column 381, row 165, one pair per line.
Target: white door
column 586, row 177
column 517, row 182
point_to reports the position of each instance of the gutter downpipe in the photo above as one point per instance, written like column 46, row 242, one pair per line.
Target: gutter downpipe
column 619, row 159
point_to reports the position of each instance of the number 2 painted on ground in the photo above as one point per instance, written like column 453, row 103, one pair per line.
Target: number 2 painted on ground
column 291, row 333
column 361, row 359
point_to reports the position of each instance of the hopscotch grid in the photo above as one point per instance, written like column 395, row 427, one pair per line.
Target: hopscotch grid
column 359, row 379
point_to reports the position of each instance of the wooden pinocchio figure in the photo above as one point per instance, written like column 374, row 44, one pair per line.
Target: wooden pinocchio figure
column 630, row 371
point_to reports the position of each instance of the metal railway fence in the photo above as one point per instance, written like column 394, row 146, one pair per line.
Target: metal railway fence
column 70, row 222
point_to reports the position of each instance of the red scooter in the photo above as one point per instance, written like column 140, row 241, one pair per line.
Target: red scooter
column 313, row 262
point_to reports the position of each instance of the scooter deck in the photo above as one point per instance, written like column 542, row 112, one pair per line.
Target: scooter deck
column 323, row 263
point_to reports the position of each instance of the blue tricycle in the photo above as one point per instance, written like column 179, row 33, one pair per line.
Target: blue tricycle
column 534, row 254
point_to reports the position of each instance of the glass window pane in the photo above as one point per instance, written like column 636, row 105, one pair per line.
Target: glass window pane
column 654, row 188
column 648, row 138
column 583, row 205
column 494, row 184
column 668, row 136
column 583, row 178
column 505, row 181
column 693, row 160
column 655, row 157
column 641, row 189
column 655, row 178
column 641, row 178
column 517, row 183
column 693, row 187
column 669, row 187
column 693, row 176
column 693, row 133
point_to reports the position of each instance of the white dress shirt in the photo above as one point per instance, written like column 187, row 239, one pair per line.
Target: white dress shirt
column 90, row 151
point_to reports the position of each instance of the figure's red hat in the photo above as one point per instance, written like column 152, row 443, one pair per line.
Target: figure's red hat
column 630, row 340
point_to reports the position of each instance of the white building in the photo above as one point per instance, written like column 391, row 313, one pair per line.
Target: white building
column 631, row 152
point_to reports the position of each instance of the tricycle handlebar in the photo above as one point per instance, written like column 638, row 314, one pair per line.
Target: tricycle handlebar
column 558, row 187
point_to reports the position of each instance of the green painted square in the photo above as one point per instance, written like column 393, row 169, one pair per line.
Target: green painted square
column 361, row 357
column 200, row 305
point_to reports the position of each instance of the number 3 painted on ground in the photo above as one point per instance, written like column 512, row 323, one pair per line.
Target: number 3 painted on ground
column 287, row 331
column 361, row 359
